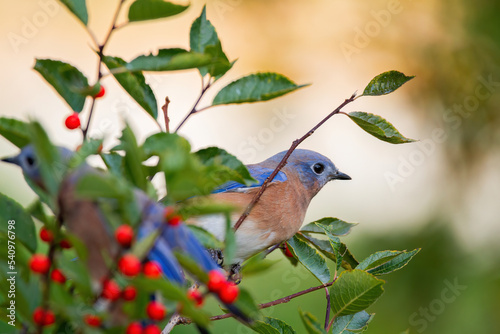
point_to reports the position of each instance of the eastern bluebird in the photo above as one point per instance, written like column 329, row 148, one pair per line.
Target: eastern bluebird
column 280, row 211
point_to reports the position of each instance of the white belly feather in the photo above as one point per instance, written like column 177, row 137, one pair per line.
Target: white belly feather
column 249, row 240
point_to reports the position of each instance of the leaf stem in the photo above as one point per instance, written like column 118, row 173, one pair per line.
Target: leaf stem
column 283, row 161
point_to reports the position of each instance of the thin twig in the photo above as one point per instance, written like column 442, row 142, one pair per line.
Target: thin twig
column 171, row 323
column 194, row 110
column 330, row 324
column 100, row 53
column 283, row 300
column 328, row 308
column 272, row 249
column 165, row 114
column 283, row 161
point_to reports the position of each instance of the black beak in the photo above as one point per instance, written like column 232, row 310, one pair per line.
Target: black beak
column 340, row 176
column 11, row 160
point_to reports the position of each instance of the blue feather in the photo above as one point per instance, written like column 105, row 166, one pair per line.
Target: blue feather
column 258, row 173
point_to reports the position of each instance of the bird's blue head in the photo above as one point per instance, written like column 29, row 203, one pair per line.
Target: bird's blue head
column 314, row 170
column 29, row 162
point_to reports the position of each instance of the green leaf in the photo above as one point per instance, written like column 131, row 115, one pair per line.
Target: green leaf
column 310, row 258
column 247, row 305
column 76, row 271
column 113, row 162
column 206, row 238
column 17, row 224
column 142, row 10
column 385, row 262
column 134, row 83
column 254, row 88
column 200, row 206
column 66, row 79
column 79, row 8
column 185, row 174
column 311, row 323
column 133, row 159
column 272, row 326
column 336, row 226
column 98, row 185
column 354, row 291
column 169, row 60
column 203, row 39
column 192, row 266
column 352, row 323
column 230, row 241
column 15, row 131
column 336, row 245
column 378, row 127
column 143, row 246
column 325, row 246
column 88, row 148
column 52, row 166
column 257, row 264
column 217, row 156
column 386, row 83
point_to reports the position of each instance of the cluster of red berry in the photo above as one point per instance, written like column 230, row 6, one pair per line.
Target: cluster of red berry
column 129, row 265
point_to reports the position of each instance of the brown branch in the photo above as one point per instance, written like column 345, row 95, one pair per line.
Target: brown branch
column 194, row 110
column 283, row 161
column 185, row 321
column 100, row 53
column 165, row 114
column 328, row 308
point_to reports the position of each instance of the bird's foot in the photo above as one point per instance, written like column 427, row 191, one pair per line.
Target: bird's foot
column 217, row 256
column 235, row 273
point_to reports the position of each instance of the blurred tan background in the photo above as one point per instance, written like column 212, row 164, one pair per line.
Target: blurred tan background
column 441, row 194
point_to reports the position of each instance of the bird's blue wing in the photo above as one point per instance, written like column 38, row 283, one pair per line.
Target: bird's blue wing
column 258, row 173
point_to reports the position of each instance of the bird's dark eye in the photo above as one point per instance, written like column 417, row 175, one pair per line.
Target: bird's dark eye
column 30, row 161
column 318, row 168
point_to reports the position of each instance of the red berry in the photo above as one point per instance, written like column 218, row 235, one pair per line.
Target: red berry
column 152, row 329
column 124, row 234
column 129, row 293
column 216, row 280
column 174, row 221
column 152, row 269
column 39, row 263
column 134, row 328
column 92, row 320
column 57, row 276
column 129, row 265
column 72, row 121
column 229, row 293
column 46, row 235
column 155, row 310
column 196, row 296
column 44, row 318
column 168, row 213
column 101, row 93
column 110, row 290
column 65, row 244
column 288, row 253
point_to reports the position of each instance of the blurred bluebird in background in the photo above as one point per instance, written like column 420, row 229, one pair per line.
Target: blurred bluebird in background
column 280, row 211
column 85, row 220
